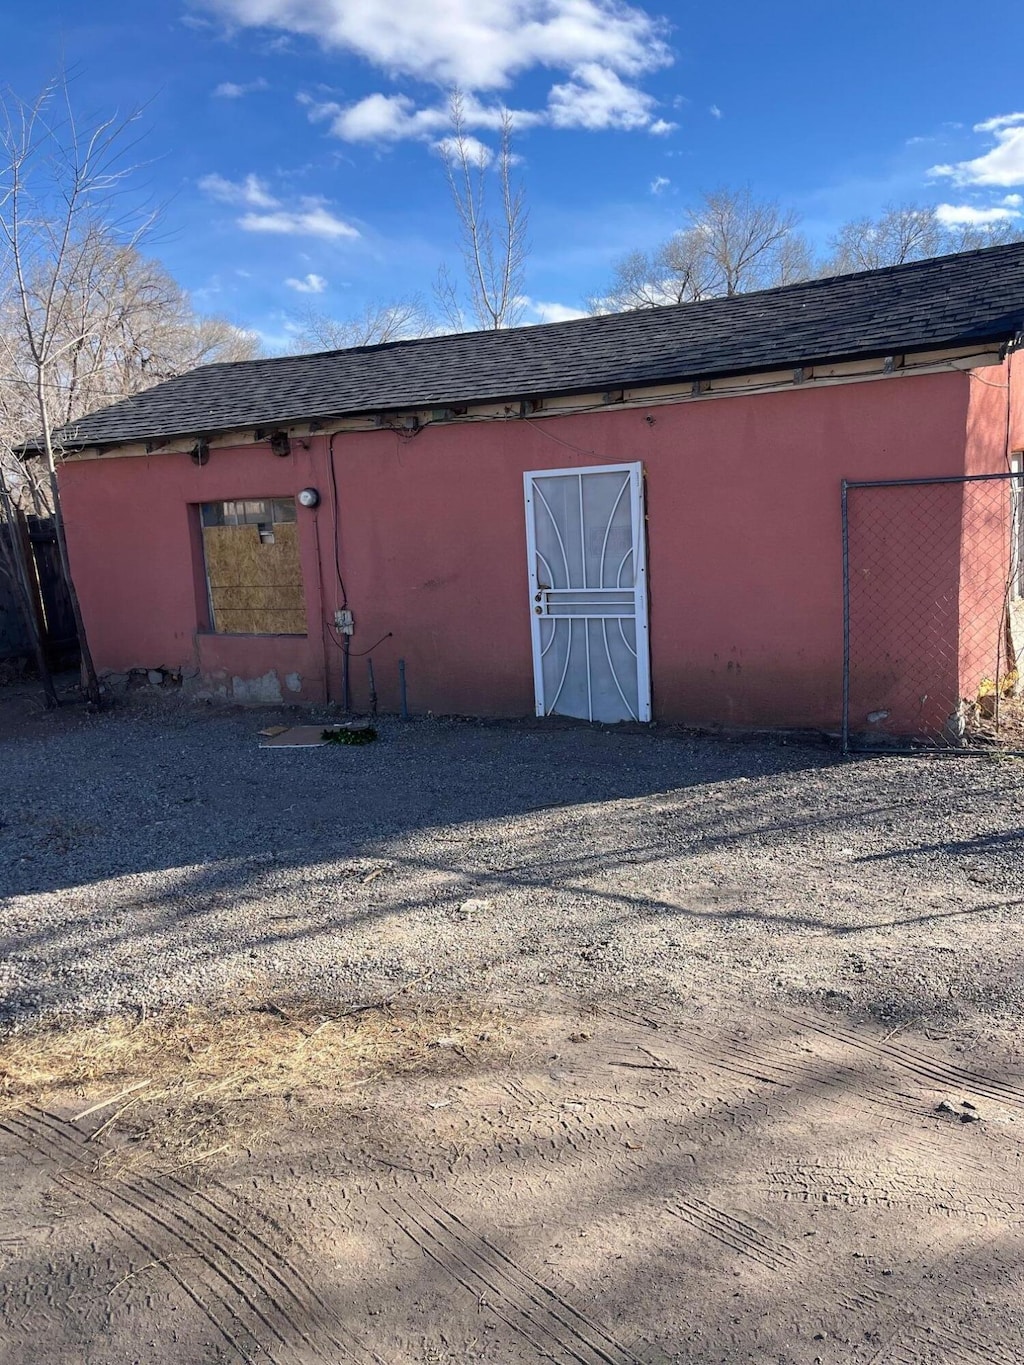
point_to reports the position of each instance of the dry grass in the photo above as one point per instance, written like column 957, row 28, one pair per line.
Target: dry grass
column 182, row 1088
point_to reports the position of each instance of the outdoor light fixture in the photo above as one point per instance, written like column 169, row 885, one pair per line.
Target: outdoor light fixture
column 201, row 452
column 280, row 444
column 309, row 497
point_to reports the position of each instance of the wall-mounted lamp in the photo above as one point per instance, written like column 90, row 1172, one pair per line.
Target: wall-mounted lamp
column 280, row 444
column 309, row 497
column 201, row 452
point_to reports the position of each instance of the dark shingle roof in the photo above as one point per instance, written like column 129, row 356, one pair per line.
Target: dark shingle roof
column 976, row 296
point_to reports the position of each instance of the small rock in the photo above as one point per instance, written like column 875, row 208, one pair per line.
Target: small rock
column 155, row 677
column 965, row 1112
column 474, row 906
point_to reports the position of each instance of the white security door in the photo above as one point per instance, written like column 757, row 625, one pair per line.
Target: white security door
column 588, row 592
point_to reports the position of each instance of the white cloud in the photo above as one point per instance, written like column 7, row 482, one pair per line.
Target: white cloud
column 231, row 90
column 550, row 312
column 1002, row 164
column 476, row 44
column 309, row 284
column 594, row 98
column 378, row 118
column 597, row 98
column 659, row 183
column 603, row 46
column 252, row 191
column 1013, row 201
column 714, row 111
column 661, row 126
column 477, row 153
column 311, row 219
column 993, row 125
column 966, row 215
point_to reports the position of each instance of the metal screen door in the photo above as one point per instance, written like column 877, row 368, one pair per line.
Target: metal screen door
column 588, row 592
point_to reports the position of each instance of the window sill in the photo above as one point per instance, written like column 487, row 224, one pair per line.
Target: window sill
column 251, row 635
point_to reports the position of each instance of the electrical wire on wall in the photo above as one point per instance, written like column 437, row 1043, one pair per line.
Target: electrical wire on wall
column 346, row 639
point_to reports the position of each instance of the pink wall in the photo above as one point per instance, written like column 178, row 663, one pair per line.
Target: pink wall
column 744, row 547
column 137, row 563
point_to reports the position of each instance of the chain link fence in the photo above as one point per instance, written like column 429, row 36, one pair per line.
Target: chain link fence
column 933, row 614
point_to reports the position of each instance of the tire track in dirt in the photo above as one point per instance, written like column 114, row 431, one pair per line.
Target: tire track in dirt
column 733, row 1059
column 541, row 1126
column 243, row 1273
column 945, row 1347
column 919, row 1065
column 732, row 1232
column 790, row 1074
column 907, row 1340
column 892, row 1188
column 281, row 1269
column 151, row 1213
column 529, row 1307
column 41, row 1144
column 777, row 1064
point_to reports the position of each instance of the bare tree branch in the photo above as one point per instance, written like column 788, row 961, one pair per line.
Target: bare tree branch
column 730, row 243
column 493, row 243
column 57, row 184
column 907, row 232
column 399, row 320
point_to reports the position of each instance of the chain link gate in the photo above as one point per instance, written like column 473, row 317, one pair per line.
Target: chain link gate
column 933, row 614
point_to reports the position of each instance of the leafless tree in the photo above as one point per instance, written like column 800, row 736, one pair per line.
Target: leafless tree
column 85, row 318
column 907, row 232
column 400, row 320
column 493, row 241
column 58, row 185
column 730, row 243
column 123, row 325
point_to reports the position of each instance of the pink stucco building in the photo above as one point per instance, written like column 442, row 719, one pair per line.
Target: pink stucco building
column 626, row 517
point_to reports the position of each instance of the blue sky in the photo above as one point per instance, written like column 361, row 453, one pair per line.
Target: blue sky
column 292, row 142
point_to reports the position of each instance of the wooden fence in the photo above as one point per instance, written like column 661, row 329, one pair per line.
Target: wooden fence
column 34, row 539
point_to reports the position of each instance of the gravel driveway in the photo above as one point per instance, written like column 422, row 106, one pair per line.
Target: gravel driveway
column 155, row 854
column 741, row 1018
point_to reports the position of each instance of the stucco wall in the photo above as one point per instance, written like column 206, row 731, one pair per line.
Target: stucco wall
column 136, row 553
column 743, row 530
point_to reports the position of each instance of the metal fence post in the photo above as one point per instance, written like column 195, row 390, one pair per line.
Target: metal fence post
column 846, row 616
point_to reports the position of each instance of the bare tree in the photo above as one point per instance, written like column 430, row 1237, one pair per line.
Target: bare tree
column 493, row 242
column 400, row 320
column 903, row 232
column 746, row 243
column 124, row 324
column 85, row 318
column 907, row 232
column 57, row 189
column 730, row 243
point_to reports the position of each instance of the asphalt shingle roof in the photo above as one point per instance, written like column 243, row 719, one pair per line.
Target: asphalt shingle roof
column 975, row 296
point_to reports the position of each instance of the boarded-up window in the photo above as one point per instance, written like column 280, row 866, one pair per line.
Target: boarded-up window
column 253, row 574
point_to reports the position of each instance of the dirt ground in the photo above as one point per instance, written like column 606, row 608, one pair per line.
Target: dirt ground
column 621, row 1188
column 727, row 1067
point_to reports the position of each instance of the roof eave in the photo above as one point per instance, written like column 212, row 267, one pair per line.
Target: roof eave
column 1006, row 339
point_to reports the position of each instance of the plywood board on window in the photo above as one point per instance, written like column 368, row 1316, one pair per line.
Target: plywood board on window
column 255, row 586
